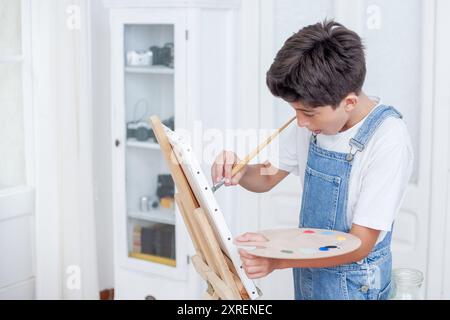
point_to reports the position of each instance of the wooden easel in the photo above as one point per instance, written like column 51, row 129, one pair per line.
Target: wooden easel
column 210, row 261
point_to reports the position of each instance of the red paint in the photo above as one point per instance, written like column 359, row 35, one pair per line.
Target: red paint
column 309, row 232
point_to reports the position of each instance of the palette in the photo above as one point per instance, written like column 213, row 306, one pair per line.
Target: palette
column 301, row 243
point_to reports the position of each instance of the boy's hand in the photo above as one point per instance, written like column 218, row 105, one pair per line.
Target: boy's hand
column 255, row 267
column 223, row 164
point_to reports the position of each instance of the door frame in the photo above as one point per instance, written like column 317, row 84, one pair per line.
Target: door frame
column 438, row 280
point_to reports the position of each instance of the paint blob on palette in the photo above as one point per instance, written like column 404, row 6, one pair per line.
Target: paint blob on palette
column 302, row 244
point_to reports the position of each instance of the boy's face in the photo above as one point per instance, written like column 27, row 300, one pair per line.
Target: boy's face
column 323, row 120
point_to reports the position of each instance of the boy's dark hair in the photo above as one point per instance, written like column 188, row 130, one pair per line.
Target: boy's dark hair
column 318, row 66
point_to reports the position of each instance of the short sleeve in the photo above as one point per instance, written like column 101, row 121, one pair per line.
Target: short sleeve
column 287, row 159
column 384, row 182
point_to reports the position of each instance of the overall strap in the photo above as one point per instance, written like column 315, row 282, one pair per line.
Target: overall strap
column 369, row 127
column 386, row 242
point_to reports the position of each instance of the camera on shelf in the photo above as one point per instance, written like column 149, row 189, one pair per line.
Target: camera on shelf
column 140, row 131
column 166, row 186
column 148, row 203
column 163, row 55
column 164, row 197
column 140, row 58
column 165, row 191
column 169, row 123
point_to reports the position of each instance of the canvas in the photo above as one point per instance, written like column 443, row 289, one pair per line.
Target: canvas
column 203, row 192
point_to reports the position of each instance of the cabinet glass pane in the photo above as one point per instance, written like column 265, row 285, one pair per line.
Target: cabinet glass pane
column 10, row 27
column 149, row 90
column 12, row 164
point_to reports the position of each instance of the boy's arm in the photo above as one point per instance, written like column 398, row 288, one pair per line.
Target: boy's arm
column 256, row 178
column 258, row 267
column 262, row 177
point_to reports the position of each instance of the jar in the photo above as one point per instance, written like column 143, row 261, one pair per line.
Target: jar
column 144, row 204
column 407, row 284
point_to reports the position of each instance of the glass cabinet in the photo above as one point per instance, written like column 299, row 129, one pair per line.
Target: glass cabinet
column 149, row 90
column 176, row 60
column 147, row 77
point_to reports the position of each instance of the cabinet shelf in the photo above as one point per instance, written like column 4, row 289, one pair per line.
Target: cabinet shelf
column 154, row 216
column 150, row 70
column 152, row 258
column 140, row 144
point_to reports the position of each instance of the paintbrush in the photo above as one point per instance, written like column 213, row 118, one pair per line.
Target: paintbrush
column 238, row 167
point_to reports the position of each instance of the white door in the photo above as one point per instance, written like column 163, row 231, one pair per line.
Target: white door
column 407, row 84
column 17, row 274
column 281, row 207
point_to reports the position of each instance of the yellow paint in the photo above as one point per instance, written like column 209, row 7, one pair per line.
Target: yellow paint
column 341, row 238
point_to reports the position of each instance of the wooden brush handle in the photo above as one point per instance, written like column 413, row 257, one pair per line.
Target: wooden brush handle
column 255, row 152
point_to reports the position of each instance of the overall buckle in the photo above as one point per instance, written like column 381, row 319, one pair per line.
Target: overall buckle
column 354, row 144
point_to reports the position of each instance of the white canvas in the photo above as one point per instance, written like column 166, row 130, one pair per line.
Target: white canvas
column 202, row 190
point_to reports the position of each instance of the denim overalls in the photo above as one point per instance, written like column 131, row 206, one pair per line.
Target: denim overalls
column 324, row 206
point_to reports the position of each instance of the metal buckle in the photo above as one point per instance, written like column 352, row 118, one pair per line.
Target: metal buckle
column 359, row 147
column 351, row 155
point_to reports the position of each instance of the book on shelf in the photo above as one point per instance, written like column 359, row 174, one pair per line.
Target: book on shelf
column 137, row 244
column 158, row 240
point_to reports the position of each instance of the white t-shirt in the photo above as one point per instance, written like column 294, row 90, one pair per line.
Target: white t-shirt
column 379, row 174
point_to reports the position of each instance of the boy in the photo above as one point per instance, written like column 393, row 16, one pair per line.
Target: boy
column 353, row 153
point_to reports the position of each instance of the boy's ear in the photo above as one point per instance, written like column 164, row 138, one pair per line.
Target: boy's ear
column 350, row 102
